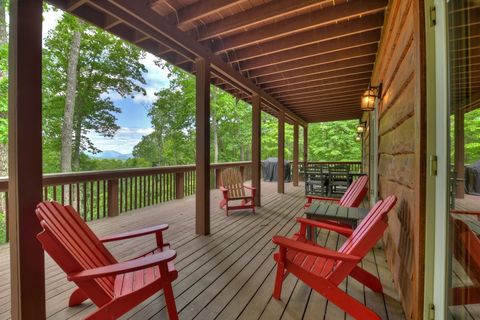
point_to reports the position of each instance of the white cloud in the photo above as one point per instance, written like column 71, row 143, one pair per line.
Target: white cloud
column 123, row 141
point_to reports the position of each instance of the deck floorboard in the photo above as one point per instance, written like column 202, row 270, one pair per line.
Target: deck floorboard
column 226, row 275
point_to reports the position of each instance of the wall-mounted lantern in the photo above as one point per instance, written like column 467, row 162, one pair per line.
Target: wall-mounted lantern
column 361, row 127
column 369, row 97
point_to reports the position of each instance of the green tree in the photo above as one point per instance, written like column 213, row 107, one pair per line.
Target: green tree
column 333, row 141
column 76, row 93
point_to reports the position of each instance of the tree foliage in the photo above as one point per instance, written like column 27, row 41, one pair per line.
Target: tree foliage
column 107, row 66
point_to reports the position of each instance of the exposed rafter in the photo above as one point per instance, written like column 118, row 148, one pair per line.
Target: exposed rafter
column 331, row 32
column 305, row 22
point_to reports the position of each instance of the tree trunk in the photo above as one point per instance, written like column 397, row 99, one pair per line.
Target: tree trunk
column 214, row 126
column 76, row 142
column 68, row 118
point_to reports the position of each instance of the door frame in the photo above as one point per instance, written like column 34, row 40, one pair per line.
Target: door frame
column 438, row 206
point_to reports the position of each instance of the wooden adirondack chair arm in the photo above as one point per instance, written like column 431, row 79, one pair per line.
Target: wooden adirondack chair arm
column 135, row 233
column 311, row 198
column 474, row 213
column 313, row 250
column 250, row 188
column 124, row 267
column 324, row 225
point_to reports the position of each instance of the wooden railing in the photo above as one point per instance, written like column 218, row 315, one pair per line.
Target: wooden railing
column 98, row 194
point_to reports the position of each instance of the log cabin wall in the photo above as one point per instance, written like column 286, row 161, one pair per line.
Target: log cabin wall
column 401, row 160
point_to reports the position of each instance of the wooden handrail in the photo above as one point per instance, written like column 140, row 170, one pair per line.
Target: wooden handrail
column 52, row 179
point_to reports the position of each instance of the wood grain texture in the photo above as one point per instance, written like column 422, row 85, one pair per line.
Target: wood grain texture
column 227, row 275
column 400, row 67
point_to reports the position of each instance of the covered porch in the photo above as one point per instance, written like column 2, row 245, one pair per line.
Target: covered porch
column 226, row 275
column 300, row 61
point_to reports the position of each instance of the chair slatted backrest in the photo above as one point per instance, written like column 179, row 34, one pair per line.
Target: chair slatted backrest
column 71, row 243
column 233, row 181
column 364, row 238
column 355, row 193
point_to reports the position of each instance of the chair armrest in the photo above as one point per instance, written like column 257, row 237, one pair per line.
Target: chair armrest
column 313, row 249
column 135, row 233
column 345, row 231
column 249, row 188
column 310, row 198
column 473, row 213
column 124, row 267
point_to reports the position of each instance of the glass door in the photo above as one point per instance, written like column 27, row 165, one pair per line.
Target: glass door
column 463, row 154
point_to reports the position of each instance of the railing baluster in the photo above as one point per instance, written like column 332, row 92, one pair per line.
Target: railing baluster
column 84, row 201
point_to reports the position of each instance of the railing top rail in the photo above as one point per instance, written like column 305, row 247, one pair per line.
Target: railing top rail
column 51, row 179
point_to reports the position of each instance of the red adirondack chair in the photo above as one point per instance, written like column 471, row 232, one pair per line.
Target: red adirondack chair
column 353, row 197
column 324, row 269
column 233, row 189
column 466, row 250
column 114, row 287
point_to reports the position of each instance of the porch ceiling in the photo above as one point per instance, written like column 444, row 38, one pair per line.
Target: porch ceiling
column 311, row 58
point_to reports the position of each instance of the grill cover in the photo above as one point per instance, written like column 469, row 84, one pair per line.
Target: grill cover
column 472, row 178
column 270, row 170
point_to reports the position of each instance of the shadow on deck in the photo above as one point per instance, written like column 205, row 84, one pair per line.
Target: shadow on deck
column 226, row 275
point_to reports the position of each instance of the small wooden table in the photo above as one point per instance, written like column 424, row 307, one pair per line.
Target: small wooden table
column 324, row 211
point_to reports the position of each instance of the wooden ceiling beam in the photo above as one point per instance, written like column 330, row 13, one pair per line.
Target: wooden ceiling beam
column 328, row 33
column 307, row 80
column 309, row 21
column 339, row 82
column 319, row 69
column 323, row 100
column 317, row 119
column 259, row 14
column 314, row 83
column 75, row 4
column 312, row 95
column 333, row 111
column 313, row 106
column 325, row 88
column 367, row 52
column 199, row 10
column 360, row 44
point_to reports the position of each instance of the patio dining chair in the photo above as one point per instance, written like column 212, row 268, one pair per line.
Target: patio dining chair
column 114, row 287
column 233, row 189
column 338, row 179
column 324, row 269
column 353, row 197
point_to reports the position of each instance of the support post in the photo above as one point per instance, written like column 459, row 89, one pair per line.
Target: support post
column 460, row 153
column 202, row 120
column 179, row 185
column 305, row 147
column 112, row 186
column 281, row 153
column 295, row 155
column 256, row 146
column 27, row 270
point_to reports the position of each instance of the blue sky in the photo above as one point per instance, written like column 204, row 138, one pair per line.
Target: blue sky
column 133, row 120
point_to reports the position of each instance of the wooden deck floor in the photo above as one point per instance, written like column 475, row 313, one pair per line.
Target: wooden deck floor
column 227, row 275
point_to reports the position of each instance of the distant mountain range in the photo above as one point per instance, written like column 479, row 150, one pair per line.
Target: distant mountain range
column 110, row 154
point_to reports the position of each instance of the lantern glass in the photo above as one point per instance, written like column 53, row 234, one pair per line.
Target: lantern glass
column 360, row 128
column 368, row 100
